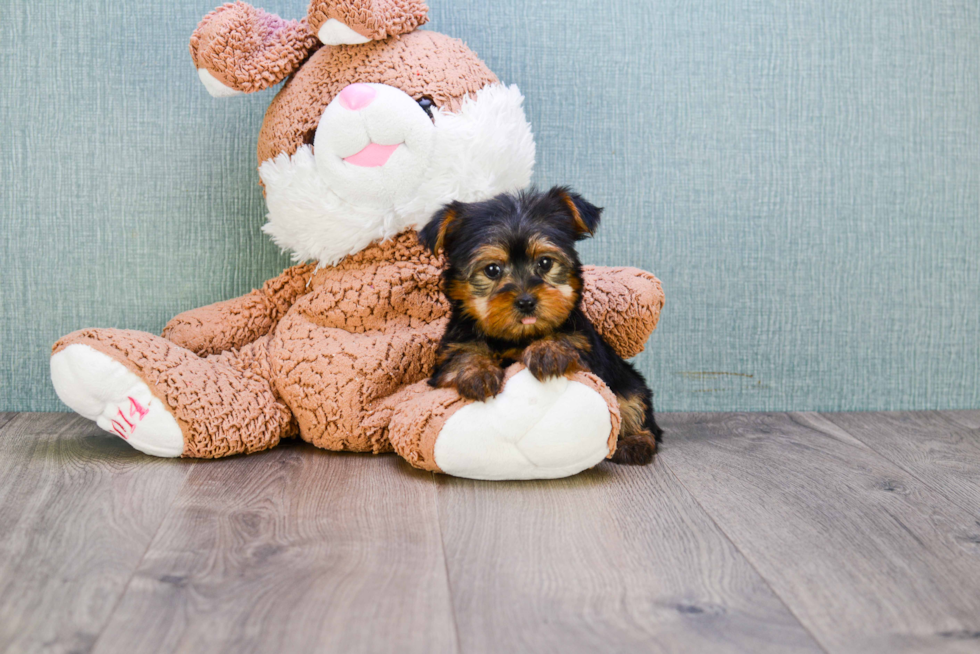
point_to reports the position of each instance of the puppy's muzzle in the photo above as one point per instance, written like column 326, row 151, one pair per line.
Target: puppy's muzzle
column 526, row 304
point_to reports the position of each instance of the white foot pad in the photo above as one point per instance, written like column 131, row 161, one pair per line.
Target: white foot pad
column 100, row 388
column 532, row 430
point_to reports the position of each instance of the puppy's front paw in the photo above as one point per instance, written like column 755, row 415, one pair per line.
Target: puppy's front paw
column 550, row 359
column 635, row 449
column 480, row 383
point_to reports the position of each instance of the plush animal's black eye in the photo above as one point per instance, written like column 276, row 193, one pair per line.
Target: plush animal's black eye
column 427, row 105
column 492, row 271
column 544, row 264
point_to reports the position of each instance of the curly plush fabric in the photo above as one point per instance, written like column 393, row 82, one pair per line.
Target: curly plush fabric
column 346, row 361
column 609, row 298
column 375, row 19
column 417, row 417
column 248, row 49
column 422, row 64
column 235, row 323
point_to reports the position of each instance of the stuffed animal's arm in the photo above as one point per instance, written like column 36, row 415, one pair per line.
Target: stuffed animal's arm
column 624, row 305
column 240, row 49
column 235, row 323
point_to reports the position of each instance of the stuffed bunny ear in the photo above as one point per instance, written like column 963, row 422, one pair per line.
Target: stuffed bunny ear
column 350, row 22
column 240, row 49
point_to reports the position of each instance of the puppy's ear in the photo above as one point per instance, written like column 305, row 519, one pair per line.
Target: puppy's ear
column 583, row 214
column 433, row 235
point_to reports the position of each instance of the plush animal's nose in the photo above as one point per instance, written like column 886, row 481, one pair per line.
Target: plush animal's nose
column 357, row 96
column 526, row 303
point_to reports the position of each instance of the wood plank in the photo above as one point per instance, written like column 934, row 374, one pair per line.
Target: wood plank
column 4, row 419
column 968, row 419
column 868, row 557
column 78, row 508
column 292, row 550
column 617, row 559
column 926, row 444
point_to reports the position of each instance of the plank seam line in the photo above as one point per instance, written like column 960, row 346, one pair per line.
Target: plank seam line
column 129, row 582
column 744, row 556
column 898, row 464
column 445, row 565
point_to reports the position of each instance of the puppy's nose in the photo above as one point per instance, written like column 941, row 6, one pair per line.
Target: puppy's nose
column 357, row 96
column 526, row 303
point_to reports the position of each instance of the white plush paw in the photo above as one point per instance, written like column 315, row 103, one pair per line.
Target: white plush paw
column 333, row 32
column 100, row 388
column 532, row 430
column 215, row 88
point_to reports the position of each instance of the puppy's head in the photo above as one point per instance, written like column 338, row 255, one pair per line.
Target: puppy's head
column 512, row 264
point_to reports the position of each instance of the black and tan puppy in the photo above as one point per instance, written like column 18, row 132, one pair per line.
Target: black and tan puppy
column 514, row 282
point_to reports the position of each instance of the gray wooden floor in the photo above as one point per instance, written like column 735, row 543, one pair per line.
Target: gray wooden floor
column 751, row 533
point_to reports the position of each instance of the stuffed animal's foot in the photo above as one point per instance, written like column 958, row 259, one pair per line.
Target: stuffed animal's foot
column 182, row 404
column 102, row 389
column 531, row 430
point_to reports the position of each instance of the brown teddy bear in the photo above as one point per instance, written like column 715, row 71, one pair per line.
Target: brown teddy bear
column 376, row 127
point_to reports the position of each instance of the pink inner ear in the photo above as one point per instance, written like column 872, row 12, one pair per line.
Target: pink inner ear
column 373, row 156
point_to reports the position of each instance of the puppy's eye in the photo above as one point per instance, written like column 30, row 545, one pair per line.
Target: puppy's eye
column 492, row 271
column 544, row 264
column 427, row 105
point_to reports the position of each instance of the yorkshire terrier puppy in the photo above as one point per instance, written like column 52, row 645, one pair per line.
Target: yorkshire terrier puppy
column 514, row 282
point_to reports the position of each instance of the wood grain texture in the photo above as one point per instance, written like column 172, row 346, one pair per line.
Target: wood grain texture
column 968, row 419
column 865, row 555
column 78, row 508
column 926, row 444
column 6, row 417
column 292, row 550
column 614, row 560
column 751, row 533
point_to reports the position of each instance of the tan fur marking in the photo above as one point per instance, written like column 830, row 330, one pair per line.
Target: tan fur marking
column 579, row 341
column 447, row 220
column 633, row 413
column 538, row 246
column 554, row 306
column 501, row 319
column 480, row 307
column 487, row 254
column 475, row 306
column 580, row 225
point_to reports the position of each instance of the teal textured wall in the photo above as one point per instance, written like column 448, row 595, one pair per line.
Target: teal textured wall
column 804, row 177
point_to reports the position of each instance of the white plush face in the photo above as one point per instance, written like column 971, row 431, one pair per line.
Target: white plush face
column 379, row 165
column 374, row 144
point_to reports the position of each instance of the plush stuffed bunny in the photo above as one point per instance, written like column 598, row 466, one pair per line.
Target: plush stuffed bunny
column 370, row 134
